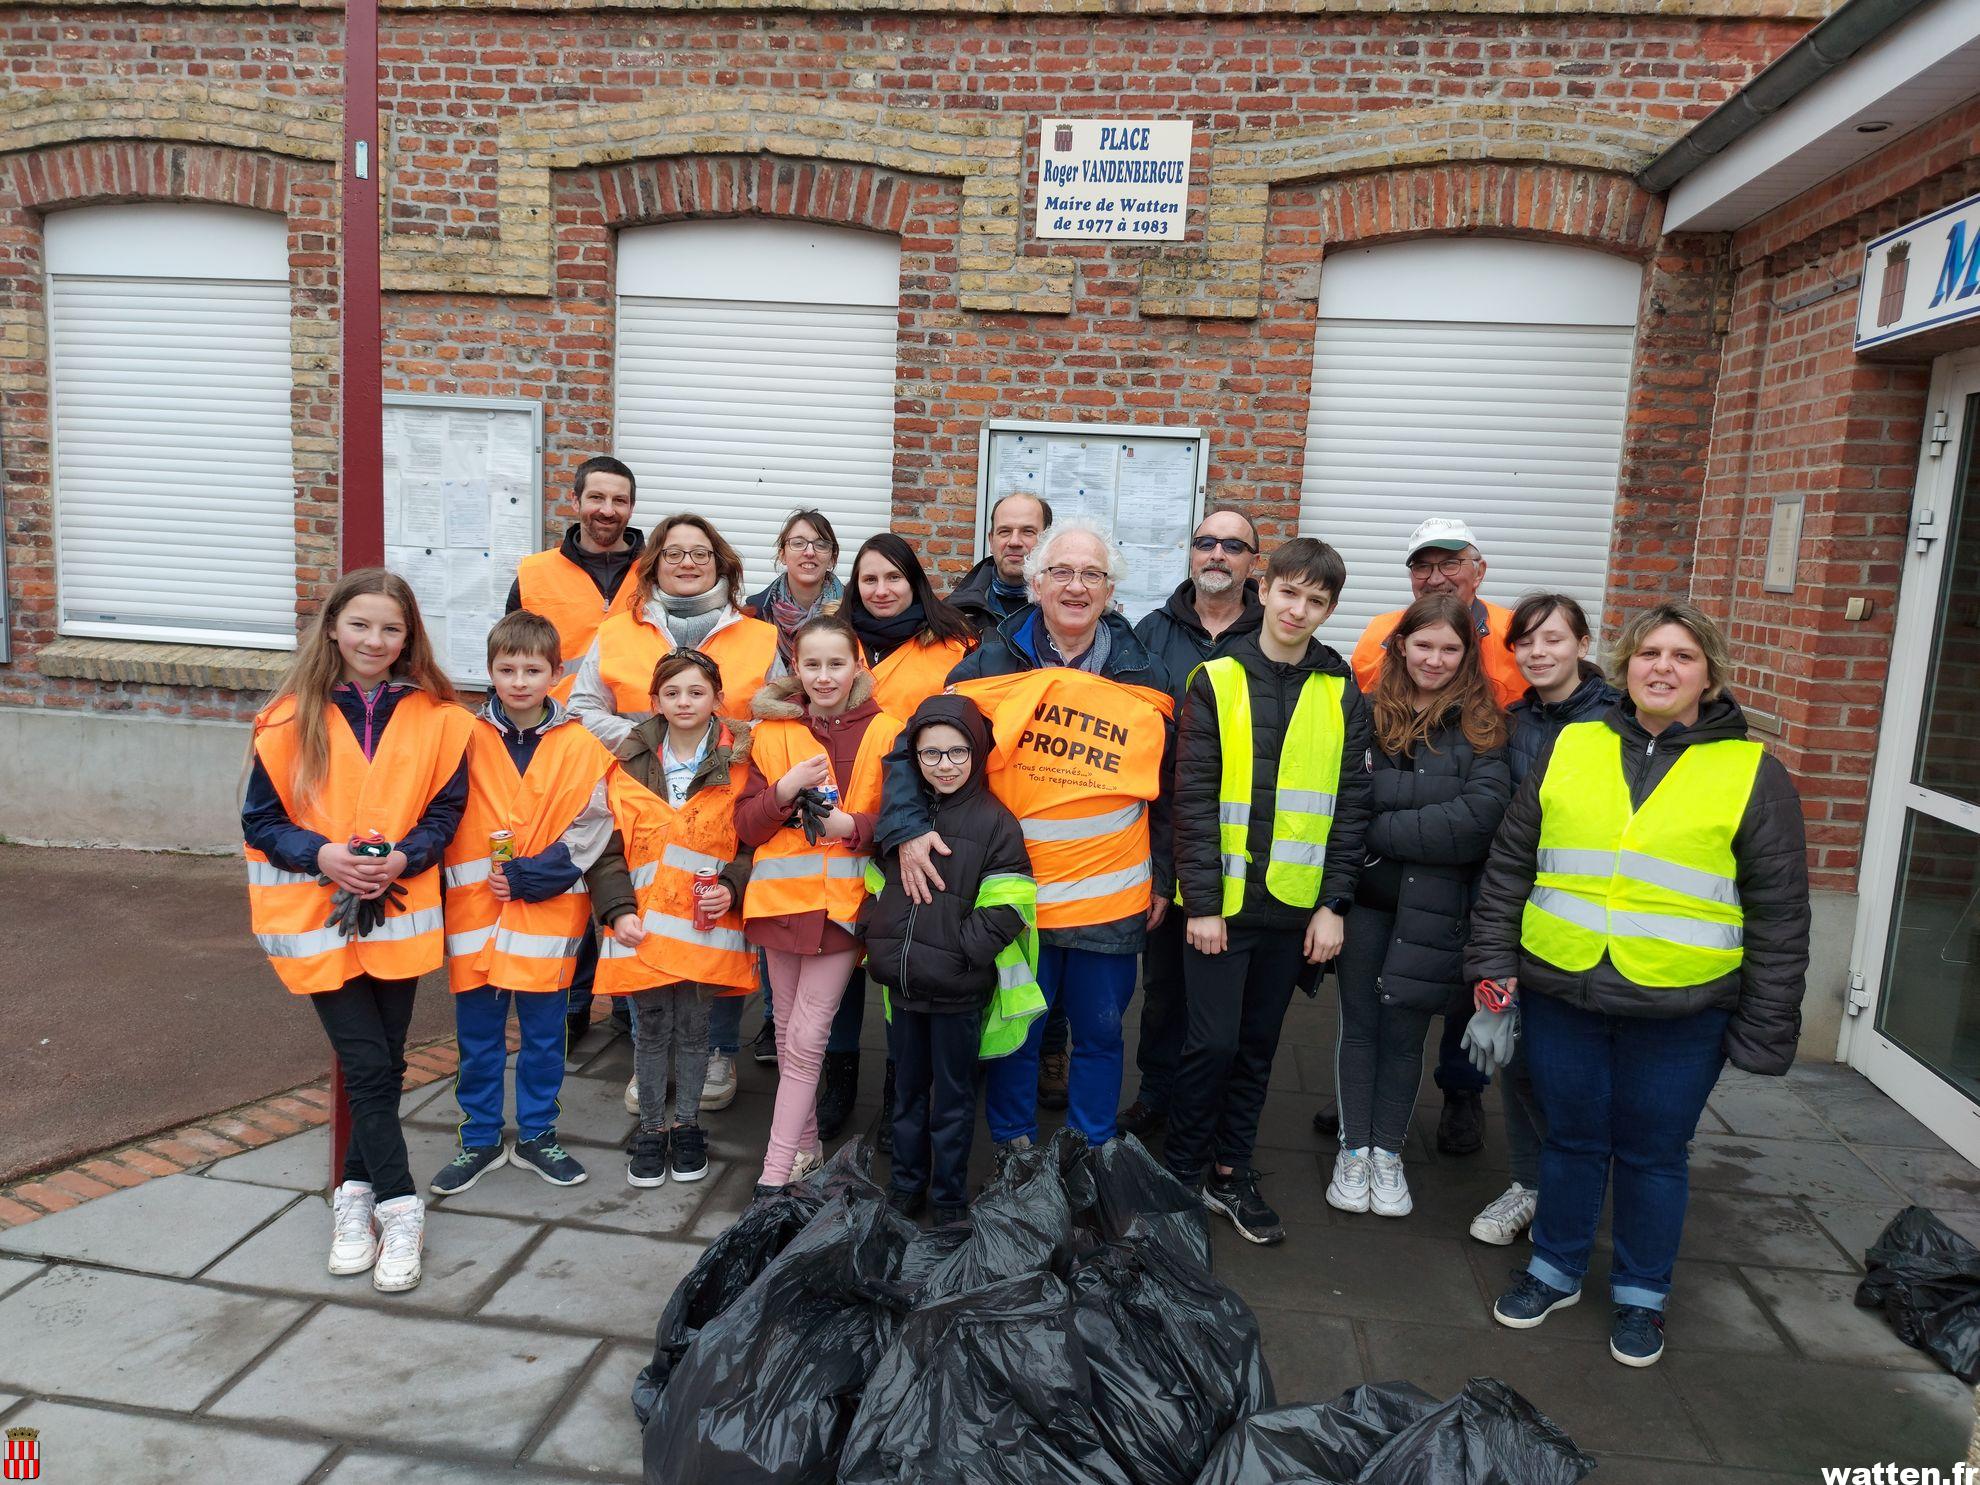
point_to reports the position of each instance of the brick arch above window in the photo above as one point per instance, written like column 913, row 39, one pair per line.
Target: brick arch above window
column 646, row 192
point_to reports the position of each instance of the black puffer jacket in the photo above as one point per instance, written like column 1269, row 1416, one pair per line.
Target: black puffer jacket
column 1430, row 828
column 1174, row 635
column 942, row 956
column 1536, row 723
column 1770, row 846
column 979, row 602
column 1275, row 691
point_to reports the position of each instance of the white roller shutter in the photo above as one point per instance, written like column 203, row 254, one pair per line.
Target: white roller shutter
column 743, row 405
column 1514, row 425
column 174, row 480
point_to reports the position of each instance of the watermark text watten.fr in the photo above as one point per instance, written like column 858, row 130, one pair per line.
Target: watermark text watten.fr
column 1900, row 1474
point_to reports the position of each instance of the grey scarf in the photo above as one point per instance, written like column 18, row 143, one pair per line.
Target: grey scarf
column 1094, row 661
column 692, row 618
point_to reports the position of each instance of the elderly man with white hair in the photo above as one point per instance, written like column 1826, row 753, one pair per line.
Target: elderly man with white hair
column 1085, row 965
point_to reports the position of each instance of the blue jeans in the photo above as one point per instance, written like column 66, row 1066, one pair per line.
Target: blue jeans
column 481, row 1019
column 725, row 1024
column 1095, row 989
column 1621, row 1096
column 1456, row 1073
column 850, row 1019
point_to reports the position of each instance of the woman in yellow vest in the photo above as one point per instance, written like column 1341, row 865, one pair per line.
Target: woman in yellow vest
column 1647, row 904
column 819, row 735
column 910, row 640
column 357, row 782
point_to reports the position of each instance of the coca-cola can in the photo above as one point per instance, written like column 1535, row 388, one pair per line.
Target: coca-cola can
column 704, row 883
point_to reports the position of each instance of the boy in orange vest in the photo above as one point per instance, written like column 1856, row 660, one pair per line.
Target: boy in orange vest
column 516, row 904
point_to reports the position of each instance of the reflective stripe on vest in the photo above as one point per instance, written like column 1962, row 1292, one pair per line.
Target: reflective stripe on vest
column 1656, row 888
column 288, row 911
column 1303, row 796
column 790, row 875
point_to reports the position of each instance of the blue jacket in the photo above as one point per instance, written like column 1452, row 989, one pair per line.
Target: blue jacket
column 1536, row 723
column 1010, row 649
column 265, row 821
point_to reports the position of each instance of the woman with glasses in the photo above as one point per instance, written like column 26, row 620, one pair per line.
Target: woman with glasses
column 805, row 585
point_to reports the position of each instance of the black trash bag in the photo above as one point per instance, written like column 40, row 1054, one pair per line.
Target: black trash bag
column 1176, row 1360
column 1926, row 1279
column 732, row 1262
column 1394, row 1434
column 927, row 1252
column 1316, row 1443
column 992, row 1387
column 768, row 1389
column 1137, row 1202
column 1020, row 1224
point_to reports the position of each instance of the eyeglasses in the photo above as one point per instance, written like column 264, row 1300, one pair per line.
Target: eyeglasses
column 1448, row 567
column 1089, row 577
column 1231, row 545
column 800, row 544
column 696, row 555
column 931, row 756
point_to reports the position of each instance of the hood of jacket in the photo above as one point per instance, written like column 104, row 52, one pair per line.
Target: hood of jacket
column 555, row 714
column 782, row 700
column 962, row 714
column 1588, row 700
column 1180, row 608
column 1719, row 720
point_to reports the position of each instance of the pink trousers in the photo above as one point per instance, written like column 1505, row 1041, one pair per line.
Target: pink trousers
column 805, row 989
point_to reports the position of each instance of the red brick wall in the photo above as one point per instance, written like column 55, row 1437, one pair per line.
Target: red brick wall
column 449, row 77
column 1799, row 413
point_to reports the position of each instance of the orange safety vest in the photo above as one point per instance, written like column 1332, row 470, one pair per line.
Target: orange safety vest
column 1508, row 685
column 518, row 945
column 550, row 584
column 664, row 849
column 629, row 647
column 1077, row 758
column 913, row 672
column 388, row 792
column 789, row 874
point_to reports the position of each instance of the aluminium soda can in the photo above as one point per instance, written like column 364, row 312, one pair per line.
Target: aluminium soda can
column 704, row 883
column 501, row 845
column 829, row 792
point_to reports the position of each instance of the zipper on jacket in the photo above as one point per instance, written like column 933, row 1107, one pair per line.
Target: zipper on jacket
column 370, row 711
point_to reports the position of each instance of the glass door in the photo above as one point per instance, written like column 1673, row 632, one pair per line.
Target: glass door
column 1917, row 1032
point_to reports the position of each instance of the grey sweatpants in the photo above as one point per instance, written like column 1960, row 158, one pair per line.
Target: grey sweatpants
column 670, row 1035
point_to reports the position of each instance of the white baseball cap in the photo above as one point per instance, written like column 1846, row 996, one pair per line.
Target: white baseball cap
column 1446, row 532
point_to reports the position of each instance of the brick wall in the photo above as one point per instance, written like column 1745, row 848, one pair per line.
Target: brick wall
column 518, row 142
column 1799, row 413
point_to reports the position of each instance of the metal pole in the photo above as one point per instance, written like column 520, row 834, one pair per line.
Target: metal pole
column 361, row 485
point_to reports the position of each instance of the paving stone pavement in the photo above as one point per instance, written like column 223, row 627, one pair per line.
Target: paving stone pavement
column 186, row 1330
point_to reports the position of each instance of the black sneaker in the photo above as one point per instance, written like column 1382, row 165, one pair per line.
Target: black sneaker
column 648, row 1165
column 1142, row 1119
column 689, row 1160
column 838, row 1086
column 1461, row 1127
column 1236, row 1196
column 1636, row 1335
column 466, row 1168
column 763, row 1046
column 1327, row 1119
column 948, row 1216
column 907, row 1203
column 1531, row 1300
column 547, row 1158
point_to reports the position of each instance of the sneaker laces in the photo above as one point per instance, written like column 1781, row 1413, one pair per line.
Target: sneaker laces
column 551, row 1151
column 1388, row 1168
column 354, row 1221
column 465, row 1159
column 1507, row 1204
column 1352, row 1166
column 398, row 1239
column 1639, row 1323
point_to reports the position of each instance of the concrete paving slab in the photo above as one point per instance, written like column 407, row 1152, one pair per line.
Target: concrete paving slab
column 1819, row 1311
column 371, row 1467
column 1856, row 1225
column 603, row 1201
column 597, row 1432
column 128, row 1338
column 599, row 1283
column 1354, row 1271
column 1709, row 1310
column 1773, row 1231
column 1856, row 1108
column 1783, row 1167
column 15, row 1272
column 302, row 1161
column 363, row 1376
column 79, row 1443
column 414, row 1099
column 176, row 1225
column 1940, row 1178
column 729, row 1198
column 1313, row 1357
column 1783, row 1415
column 1600, row 1403
column 463, row 1256
column 590, row 1111
column 1747, row 1104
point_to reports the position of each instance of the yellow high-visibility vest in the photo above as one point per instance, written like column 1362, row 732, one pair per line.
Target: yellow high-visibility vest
column 1303, row 798
column 1655, row 888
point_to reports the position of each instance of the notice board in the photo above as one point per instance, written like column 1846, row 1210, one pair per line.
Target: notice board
column 463, row 505
column 1143, row 486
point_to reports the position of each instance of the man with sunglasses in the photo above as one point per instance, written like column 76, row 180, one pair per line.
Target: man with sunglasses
column 1213, row 607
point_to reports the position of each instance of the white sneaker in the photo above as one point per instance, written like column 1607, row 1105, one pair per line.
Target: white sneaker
column 401, row 1235
column 632, row 1095
column 1348, row 1191
column 806, row 1162
column 1389, row 1191
column 1507, row 1217
column 718, row 1090
column 353, row 1232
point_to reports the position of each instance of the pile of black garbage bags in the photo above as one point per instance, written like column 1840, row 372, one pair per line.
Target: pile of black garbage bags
column 1071, row 1334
